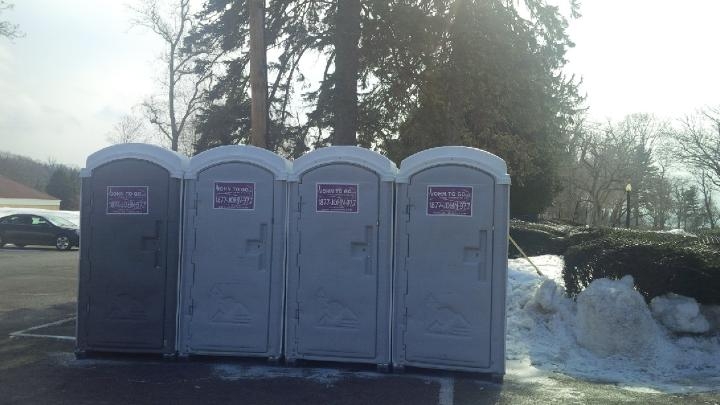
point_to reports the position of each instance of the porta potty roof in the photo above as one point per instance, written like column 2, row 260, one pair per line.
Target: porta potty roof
column 460, row 155
column 173, row 162
column 354, row 155
column 278, row 165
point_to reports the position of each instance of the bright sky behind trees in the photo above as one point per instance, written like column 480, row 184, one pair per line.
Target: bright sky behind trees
column 81, row 66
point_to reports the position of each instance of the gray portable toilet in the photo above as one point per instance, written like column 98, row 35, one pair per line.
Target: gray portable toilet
column 451, row 260
column 340, row 256
column 232, row 285
column 130, row 248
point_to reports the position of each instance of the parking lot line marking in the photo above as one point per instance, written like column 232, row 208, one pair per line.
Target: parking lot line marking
column 43, row 336
column 24, row 332
column 446, row 393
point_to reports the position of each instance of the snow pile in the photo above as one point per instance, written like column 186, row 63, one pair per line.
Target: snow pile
column 549, row 297
column 612, row 318
column 679, row 314
column 608, row 336
column 537, row 332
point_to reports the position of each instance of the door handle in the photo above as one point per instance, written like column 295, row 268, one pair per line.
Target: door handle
column 369, row 230
column 157, row 259
column 262, row 254
column 156, row 234
column 255, row 251
column 364, row 250
column 152, row 242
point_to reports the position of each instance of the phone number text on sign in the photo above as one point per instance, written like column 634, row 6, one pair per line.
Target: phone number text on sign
column 336, row 197
column 449, row 200
column 233, row 195
column 127, row 200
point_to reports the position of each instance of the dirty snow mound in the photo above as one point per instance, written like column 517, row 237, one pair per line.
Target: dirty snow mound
column 612, row 319
column 549, row 297
column 679, row 314
column 543, row 327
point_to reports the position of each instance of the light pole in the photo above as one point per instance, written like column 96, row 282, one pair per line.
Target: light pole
column 628, row 189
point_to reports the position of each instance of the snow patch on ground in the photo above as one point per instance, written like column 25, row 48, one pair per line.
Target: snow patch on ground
column 680, row 232
column 327, row 376
column 543, row 330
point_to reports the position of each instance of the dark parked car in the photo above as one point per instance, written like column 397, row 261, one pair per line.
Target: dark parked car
column 30, row 229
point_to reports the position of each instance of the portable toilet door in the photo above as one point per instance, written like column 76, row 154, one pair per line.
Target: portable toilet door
column 339, row 256
column 451, row 260
column 233, row 260
column 129, row 250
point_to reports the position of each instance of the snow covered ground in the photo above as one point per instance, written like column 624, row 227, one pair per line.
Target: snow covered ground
column 621, row 341
column 680, row 232
column 72, row 216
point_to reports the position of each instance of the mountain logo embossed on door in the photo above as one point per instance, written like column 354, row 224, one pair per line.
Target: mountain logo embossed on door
column 335, row 314
column 444, row 320
column 125, row 307
column 227, row 308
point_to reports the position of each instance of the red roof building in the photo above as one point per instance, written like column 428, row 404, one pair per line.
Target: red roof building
column 16, row 195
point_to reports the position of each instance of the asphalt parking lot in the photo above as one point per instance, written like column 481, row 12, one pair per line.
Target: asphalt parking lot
column 37, row 365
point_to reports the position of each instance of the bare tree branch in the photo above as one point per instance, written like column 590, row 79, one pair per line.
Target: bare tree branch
column 185, row 87
column 7, row 29
column 129, row 128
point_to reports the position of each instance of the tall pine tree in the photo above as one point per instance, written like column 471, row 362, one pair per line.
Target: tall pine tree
column 64, row 184
column 482, row 73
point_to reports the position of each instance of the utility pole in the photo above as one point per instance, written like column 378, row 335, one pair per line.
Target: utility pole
column 258, row 74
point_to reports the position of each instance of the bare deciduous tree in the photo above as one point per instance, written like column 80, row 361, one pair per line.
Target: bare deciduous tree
column 604, row 159
column 697, row 143
column 658, row 201
column 185, row 81
column 128, row 129
column 8, row 29
column 706, row 189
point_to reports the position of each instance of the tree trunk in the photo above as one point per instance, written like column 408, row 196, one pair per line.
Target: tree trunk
column 174, row 135
column 637, row 213
column 576, row 211
column 707, row 198
column 616, row 214
column 709, row 213
column 597, row 214
column 258, row 74
column 347, row 65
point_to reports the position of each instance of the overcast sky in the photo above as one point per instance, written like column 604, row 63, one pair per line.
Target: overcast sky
column 81, row 66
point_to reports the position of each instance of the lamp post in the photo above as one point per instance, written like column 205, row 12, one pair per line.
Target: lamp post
column 628, row 189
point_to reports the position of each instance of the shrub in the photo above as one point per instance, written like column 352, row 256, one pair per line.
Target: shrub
column 537, row 239
column 660, row 263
